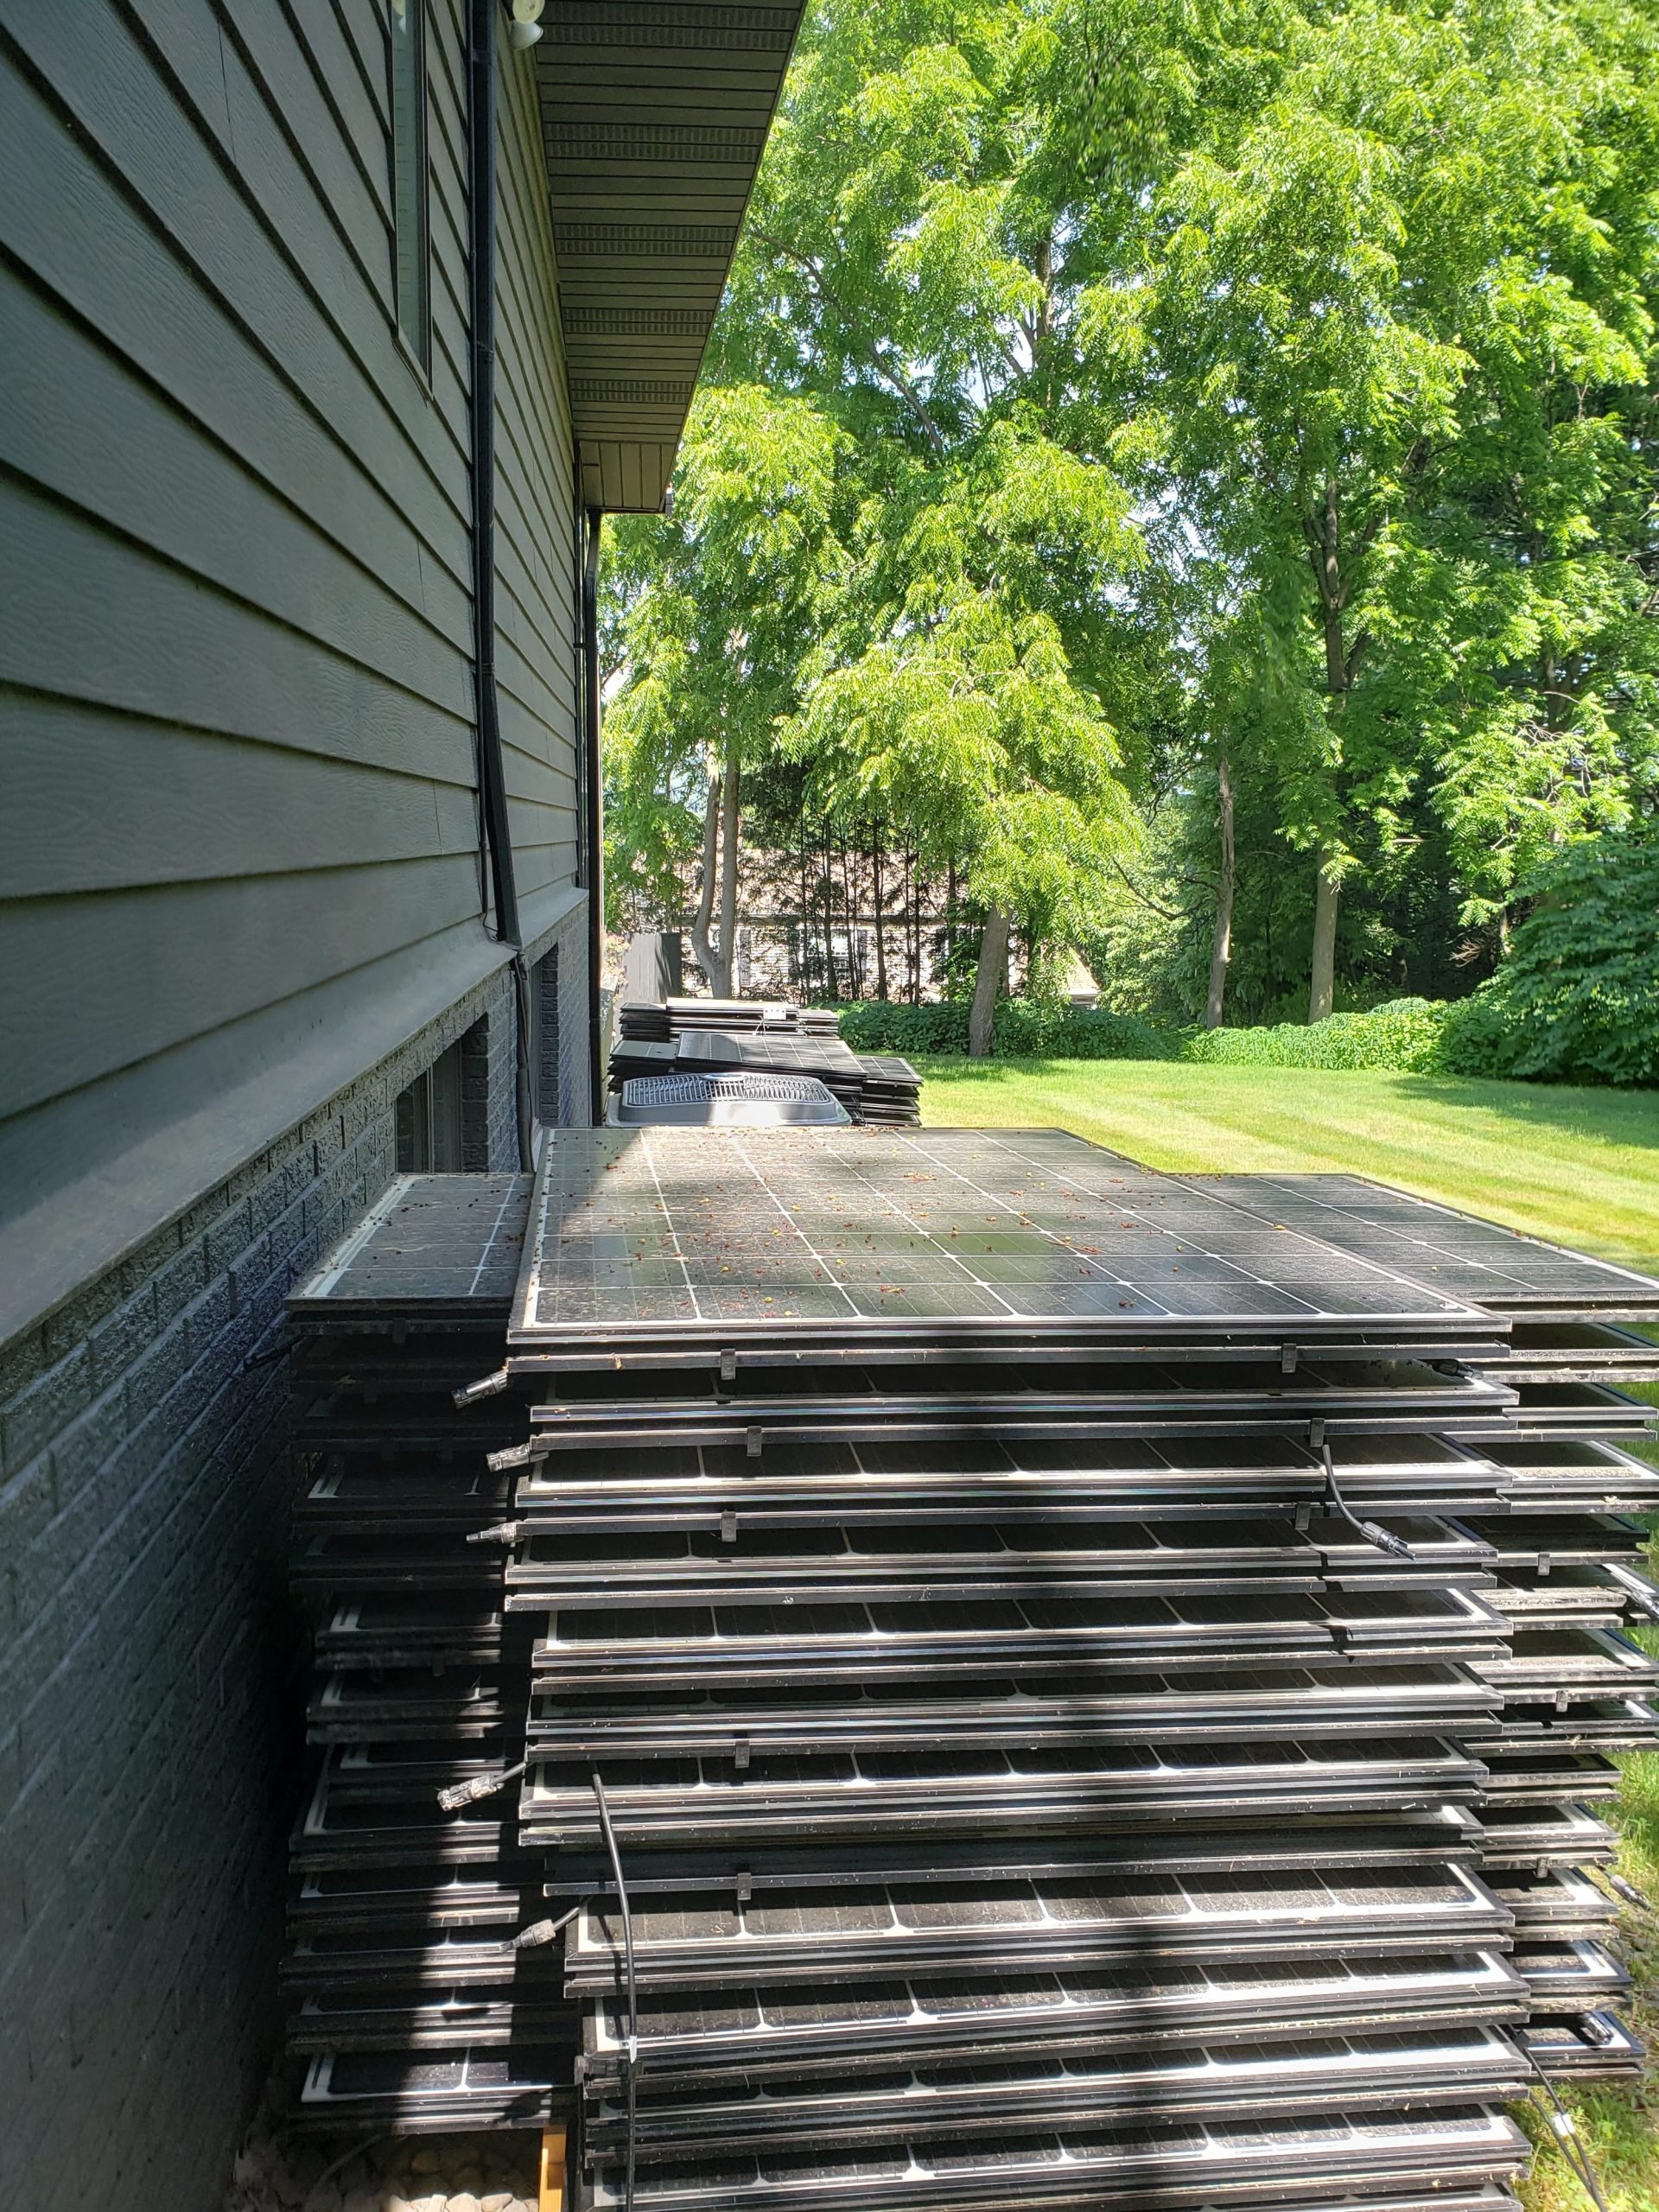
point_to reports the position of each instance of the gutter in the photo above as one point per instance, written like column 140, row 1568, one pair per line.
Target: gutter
column 492, row 777
column 592, row 828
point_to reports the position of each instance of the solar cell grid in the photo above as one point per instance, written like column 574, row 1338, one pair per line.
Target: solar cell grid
column 717, row 1229
column 432, row 1240
column 1468, row 1258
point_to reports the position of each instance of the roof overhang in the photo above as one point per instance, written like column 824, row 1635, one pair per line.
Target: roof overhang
column 654, row 117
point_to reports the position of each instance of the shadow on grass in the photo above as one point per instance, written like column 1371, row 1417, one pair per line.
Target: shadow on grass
column 1608, row 1116
column 1614, row 1116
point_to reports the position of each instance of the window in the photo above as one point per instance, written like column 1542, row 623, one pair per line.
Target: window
column 409, row 174
column 546, row 1083
column 429, row 1119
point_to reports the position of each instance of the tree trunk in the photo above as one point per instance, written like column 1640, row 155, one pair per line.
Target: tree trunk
column 1221, row 948
column 730, row 788
column 877, row 893
column 701, row 952
column 993, row 966
column 1321, row 993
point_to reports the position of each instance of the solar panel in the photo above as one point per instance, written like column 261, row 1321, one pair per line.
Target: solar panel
column 966, row 2101
column 1466, row 1257
column 806, row 1231
column 930, row 1538
column 826, row 2027
column 431, row 1243
column 1019, row 1923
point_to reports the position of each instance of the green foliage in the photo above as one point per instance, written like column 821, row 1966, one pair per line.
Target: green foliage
column 1577, row 999
column 1404, row 1035
column 1023, row 1027
column 707, row 611
column 1109, row 389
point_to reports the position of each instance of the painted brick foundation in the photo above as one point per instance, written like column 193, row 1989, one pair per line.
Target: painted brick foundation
column 150, row 1758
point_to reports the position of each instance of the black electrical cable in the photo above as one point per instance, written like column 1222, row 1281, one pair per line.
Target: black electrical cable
column 634, row 1994
column 1564, row 2131
column 1374, row 1533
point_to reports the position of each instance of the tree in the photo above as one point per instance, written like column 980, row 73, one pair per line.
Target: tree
column 1355, row 324
column 905, row 263
column 726, row 592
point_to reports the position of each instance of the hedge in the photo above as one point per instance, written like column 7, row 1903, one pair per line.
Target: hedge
column 1607, row 1032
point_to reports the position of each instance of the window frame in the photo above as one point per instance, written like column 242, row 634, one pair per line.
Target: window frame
column 409, row 174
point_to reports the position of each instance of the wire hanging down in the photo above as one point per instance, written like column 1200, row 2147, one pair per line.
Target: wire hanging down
column 633, row 2003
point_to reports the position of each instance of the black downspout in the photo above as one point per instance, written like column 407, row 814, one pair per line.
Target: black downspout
column 492, row 778
column 591, row 829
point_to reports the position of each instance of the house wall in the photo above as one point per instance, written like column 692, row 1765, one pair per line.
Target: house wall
column 240, row 907
column 238, row 859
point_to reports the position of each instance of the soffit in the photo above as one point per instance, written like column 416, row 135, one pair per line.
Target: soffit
column 654, row 117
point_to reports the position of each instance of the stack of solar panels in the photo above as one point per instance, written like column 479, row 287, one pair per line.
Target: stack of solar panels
column 729, row 1036
column 1578, row 1689
column 684, row 1017
column 1035, row 1775
column 408, row 2005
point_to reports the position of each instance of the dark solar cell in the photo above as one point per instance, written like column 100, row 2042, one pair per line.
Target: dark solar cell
column 722, row 1228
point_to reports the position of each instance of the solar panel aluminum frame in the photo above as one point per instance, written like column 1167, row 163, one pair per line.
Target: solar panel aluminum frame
column 1469, row 1407
column 543, row 1576
column 1557, row 1662
column 999, row 2021
column 1579, row 1353
column 1012, row 1927
column 342, row 2092
column 1562, row 1901
column 1231, row 2163
column 345, row 1825
column 1577, row 1972
column 754, row 1807
column 1548, row 1776
column 1450, row 1624
column 1566, row 2052
column 552, row 1494
column 1542, row 1836
column 420, row 2019
column 1060, row 1345
column 1612, row 1724
column 687, row 1170
column 346, row 1704
column 504, row 1895
column 1440, row 1835
column 966, row 2101
column 1166, row 1709
column 417, row 1957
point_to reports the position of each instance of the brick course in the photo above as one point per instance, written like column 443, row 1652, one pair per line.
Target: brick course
column 150, row 1760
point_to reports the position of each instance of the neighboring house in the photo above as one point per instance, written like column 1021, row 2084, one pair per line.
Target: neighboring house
column 296, row 855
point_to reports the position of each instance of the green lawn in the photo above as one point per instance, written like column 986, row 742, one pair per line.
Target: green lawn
column 1580, row 1167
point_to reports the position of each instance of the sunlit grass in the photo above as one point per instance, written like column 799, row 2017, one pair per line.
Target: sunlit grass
column 1578, row 1166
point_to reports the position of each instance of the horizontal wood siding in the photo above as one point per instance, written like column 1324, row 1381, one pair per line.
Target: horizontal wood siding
column 236, row 677
column 536, row 556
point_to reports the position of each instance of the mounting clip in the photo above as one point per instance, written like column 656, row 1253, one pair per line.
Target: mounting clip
column 727, row 1364
column 1544, row 1567
column 752, row 1441
column 1304, row 1514
column 741, row 1753
column 1287, row 1357
column 1316, row 1434
column 728, row 1527
column 743, row 1881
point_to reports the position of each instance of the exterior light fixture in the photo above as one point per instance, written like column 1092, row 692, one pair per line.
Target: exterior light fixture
column 525, row 27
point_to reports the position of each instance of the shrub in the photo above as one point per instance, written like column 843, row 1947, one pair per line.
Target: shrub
column 1404, row 1034
column 1022, row 1027
column 1577, row 1001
